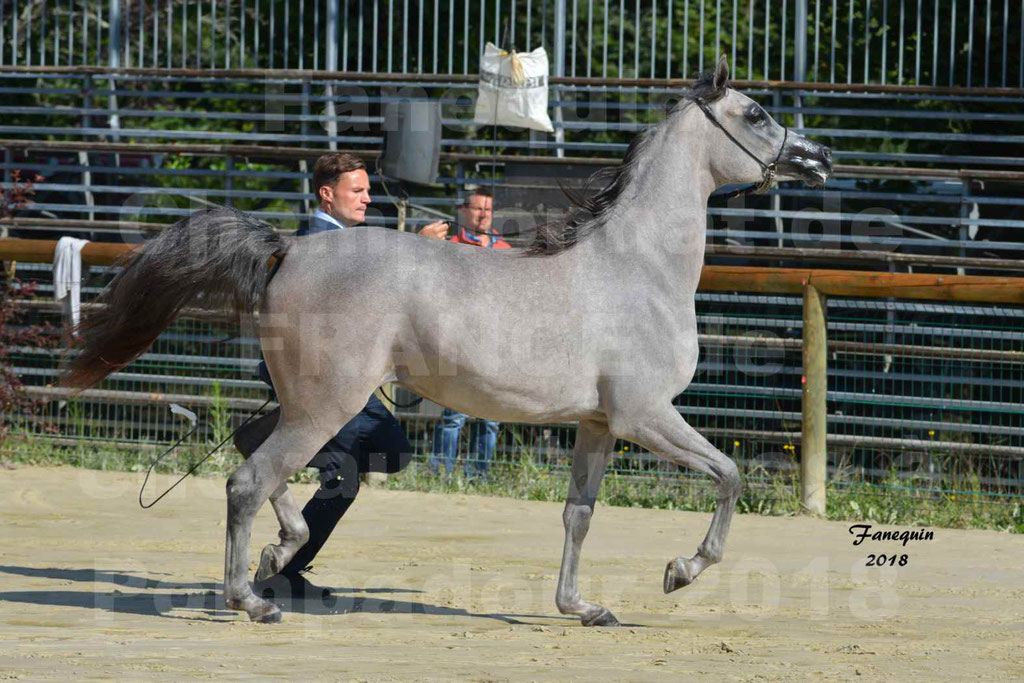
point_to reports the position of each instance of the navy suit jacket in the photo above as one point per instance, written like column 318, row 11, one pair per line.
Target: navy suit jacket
column 315, row 225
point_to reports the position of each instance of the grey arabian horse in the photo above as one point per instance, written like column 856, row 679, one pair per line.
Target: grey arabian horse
column 594, row 324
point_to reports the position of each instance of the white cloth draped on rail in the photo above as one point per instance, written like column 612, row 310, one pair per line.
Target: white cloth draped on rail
column 67, row 276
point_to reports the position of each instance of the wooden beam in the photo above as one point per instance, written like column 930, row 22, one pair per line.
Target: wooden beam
column 84, row 223
column 805, row 254
column 867, row 284
column 762, row 280
column 41, row 251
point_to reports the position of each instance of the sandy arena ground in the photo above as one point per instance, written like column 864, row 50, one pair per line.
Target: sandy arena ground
column 432, row 587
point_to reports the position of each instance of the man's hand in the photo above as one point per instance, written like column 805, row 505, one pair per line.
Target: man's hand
column 438, row 230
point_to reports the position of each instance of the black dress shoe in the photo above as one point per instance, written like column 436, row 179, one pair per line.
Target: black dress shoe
column 289, row 586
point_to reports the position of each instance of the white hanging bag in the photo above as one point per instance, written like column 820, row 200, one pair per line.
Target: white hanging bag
column 513, row 89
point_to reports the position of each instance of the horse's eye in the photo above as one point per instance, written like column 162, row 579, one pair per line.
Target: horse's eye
column 755, row 115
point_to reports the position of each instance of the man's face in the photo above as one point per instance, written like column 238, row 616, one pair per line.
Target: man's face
column 476, row 214
column 346, row 200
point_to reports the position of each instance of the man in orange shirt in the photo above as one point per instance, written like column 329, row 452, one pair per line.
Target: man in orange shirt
column 474, row 227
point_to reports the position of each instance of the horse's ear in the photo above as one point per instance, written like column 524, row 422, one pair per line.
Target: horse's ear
column 721, row 74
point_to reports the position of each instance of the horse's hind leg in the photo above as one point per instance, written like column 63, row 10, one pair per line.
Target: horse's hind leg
column 667, row 434
column 286, row 451
column 593, row 444
column 293, row 532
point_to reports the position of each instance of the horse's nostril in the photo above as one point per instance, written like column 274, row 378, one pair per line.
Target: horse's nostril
column 827, row 153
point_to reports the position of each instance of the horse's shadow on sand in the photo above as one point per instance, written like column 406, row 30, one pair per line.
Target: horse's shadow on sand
column 206, row 600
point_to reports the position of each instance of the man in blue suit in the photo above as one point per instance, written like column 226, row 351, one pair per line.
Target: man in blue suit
column 342, row 185
column 372, row 441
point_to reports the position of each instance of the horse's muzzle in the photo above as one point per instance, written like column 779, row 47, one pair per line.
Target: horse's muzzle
column 807, row 160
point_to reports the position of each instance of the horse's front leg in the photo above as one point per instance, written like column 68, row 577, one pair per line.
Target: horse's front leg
column 593, row 445
column 667, row 434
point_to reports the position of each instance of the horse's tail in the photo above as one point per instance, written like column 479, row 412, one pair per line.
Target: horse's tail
column 213, row 259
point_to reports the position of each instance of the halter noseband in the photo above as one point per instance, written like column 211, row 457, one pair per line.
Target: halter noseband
column 767, row 170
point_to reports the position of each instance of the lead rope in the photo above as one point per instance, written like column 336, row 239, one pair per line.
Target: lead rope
column 415, row 402
column 192, row 469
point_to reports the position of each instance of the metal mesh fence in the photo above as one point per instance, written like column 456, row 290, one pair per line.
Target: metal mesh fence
column 942, row 409
column 937, row 42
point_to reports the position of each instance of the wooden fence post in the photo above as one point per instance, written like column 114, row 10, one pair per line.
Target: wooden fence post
column 813, row 449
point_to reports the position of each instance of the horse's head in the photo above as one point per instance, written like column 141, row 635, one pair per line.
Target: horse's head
column 749, row 146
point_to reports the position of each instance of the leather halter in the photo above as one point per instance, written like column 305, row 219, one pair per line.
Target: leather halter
column 767, row 170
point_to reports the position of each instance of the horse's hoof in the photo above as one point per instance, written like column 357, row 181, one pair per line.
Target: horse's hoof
column 270, row 563
column 269, row 614
column 677, row 575
column 602, row 618
column 259, row 610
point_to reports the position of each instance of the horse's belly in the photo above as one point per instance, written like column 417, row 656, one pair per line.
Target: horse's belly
column 504, row 401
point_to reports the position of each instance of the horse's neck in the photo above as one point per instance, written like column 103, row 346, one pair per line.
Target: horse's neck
column 657, row 228
column 661, row 228
column 663, row 210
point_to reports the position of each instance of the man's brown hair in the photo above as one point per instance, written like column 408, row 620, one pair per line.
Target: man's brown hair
column 480, row 192
column 330, row 167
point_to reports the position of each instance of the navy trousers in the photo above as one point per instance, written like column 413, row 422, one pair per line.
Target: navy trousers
column 372, row 441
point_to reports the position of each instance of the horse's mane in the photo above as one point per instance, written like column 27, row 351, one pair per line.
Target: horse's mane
column 588, row 209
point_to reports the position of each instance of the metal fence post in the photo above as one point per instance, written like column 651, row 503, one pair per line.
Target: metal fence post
column 307, row 207
column 83, row 156
column 559, row 31
column 813, row 452
column 800, row 55
column 331, row 64
column 967, row 212
column 229, row 181
column 114, row 61
column 800, row 41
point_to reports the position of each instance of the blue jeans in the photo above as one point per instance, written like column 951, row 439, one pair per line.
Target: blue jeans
column 483, row 438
